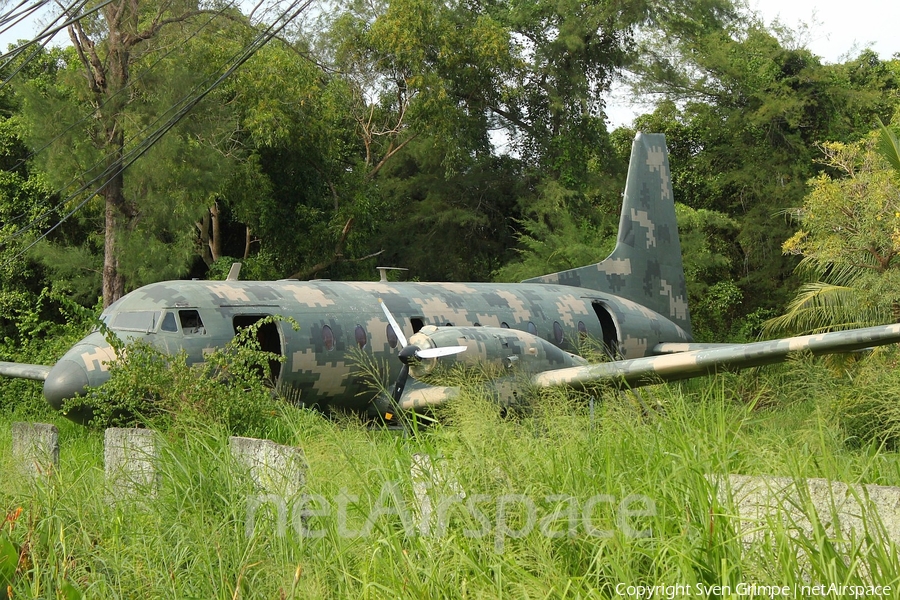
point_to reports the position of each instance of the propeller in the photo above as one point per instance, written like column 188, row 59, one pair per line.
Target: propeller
column 410, row 353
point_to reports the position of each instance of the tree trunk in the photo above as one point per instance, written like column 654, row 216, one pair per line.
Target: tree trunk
column 113, row 280
column 215, row 242
column 118, row 213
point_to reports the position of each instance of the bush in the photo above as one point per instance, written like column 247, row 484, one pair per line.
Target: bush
column 150, row 388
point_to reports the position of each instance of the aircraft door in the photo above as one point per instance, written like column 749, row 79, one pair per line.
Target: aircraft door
column 609, row 329
column 269, row 338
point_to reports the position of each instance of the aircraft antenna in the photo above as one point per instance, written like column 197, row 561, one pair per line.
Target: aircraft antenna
column 382, row 272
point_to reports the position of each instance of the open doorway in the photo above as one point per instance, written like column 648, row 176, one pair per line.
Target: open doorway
column 610, row 333
column 267, row 335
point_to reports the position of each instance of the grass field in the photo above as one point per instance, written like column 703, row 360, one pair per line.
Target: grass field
column 564, row 501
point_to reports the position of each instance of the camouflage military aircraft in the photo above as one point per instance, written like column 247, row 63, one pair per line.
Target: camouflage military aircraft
column 634, row 302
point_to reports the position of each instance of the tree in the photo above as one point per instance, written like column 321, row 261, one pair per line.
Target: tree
column 448, row 226
column 743, row 108
column 133, row 71
column 125, row 29
column 850, row 240
column 537, row 71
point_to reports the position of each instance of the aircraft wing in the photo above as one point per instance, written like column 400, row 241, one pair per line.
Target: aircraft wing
column 712, row 357
column 24, row 371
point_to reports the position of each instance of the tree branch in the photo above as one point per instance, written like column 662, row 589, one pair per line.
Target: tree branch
column 390, row 153
column 337, row 257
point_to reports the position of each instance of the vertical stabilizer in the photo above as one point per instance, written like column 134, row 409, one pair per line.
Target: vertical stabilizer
column 645, row 266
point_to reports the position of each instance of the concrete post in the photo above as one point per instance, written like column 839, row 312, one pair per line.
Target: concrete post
column 35, row 447
column 762, row 500
column 274, row 468
column 130, row 461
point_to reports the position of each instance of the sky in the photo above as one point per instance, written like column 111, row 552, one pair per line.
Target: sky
column 836, row 29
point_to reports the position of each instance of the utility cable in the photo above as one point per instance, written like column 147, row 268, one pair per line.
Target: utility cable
column 90, row 115
column 150, row 140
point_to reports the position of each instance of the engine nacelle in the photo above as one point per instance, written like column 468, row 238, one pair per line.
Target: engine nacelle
column 495, row 346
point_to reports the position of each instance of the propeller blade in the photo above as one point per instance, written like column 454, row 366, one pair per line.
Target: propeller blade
column 441, row 351
column 400, row 383
column 400, row 337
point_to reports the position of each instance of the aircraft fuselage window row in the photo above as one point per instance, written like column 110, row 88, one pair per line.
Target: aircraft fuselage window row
column 361, row 337
column 192, row 323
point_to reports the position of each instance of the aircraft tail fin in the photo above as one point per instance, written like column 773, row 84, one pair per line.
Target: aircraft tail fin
column 645, row 266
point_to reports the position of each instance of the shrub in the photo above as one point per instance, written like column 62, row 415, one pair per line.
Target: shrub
column 150, row 388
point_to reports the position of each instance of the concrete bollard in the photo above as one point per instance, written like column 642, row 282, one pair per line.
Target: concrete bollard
column 130, row 462
column 274, row 468
column 430, row 483
column 35, row 447
column 278, row 474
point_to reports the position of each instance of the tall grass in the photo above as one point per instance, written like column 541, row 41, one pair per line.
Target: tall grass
column 640, row 475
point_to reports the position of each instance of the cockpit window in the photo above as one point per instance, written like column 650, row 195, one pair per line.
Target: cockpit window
column 190, row 321
column 138, row 320
column 168, row 323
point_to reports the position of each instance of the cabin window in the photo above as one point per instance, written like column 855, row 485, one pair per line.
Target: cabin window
column 191, row 321
column 361, row 338
column 168, row 323
column 391, row 336
column 582, row 330
column 328, row 337
column 476, row 324
column 557, row 332
column 417, row 323
column 139, row 320
column 504, row 325
column 532, row 329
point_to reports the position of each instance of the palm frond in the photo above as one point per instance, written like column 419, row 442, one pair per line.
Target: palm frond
column 823, row 306
column 889, row 146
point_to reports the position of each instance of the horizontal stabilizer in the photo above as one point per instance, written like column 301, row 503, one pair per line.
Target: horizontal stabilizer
column 671, row 367
column 23, row 371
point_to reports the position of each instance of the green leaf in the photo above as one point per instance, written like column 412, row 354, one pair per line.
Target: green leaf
column 889, row 146
column 67, row 591
column 9, row 560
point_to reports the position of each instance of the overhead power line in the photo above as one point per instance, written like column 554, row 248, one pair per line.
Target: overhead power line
column 91, row 115
column 187, row 103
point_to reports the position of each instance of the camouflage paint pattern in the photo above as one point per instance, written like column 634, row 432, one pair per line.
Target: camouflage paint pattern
column 509, row 349
column 634, row 302
column 494, row 319
column 645, row 266
column 683, row 365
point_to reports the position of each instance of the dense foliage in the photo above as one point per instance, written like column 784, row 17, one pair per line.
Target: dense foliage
column 461, row 140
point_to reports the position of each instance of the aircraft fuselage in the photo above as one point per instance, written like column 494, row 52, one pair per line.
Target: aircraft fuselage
column 335, row 317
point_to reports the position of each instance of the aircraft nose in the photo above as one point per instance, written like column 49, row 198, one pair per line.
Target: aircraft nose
column 65, row 379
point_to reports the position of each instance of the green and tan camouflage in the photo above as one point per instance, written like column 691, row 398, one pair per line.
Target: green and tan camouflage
column 633, row 303
column 707, row 360
column 645, row 266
